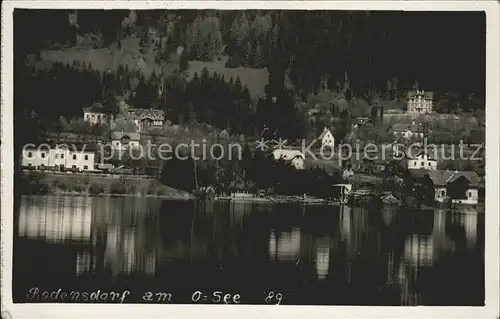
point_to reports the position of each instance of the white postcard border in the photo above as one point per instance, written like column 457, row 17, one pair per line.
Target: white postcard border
column 491, row 310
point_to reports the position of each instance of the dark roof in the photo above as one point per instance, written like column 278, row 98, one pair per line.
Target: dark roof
column 96, row 107
column 240, row 184
column 86, row 147
column 147, row 113
column 119, row 135
column 424, row 94
column 429, row 157
column 442, row 177
column 390, row 199
column 419, row 173
column 362, row 120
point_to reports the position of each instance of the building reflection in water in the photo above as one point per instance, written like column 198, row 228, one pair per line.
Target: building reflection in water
column 354, row 226
column 56, row 219
column 284, row 246
column 118, row 232
column 468, row 219
column 124, row 235
column 422, row 251
column 239, row 211
column 388, row 214
column 322, row 257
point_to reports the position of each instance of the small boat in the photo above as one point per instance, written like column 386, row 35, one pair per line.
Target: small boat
column 250, row 200
column 222, row 198
column 312, row 201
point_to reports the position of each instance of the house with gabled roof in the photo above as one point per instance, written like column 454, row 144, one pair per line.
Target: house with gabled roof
column 326, row 138
column 295, row 157
column 461, row 187
column 121, row 141
column 422, row 161
column 147, row 118
column 390, row 199
column 97, row 114
column 405, row 131
column 239, row 188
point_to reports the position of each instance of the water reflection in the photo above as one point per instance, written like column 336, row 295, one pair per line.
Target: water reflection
column 285, row 246
column 322, row 257
column 56, row 219
column 394, row 256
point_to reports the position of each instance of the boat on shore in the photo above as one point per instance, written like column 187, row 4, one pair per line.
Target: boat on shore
column 222, row 198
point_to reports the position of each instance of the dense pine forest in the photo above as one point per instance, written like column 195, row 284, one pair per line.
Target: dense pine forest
column 363, row 55
column 437, row 49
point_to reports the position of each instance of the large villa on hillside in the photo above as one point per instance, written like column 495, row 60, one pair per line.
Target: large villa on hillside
column 420, row 102
column 97, row 114
column 147, row 118
column 144, row 119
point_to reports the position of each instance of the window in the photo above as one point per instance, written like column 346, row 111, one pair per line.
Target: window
column 422, row 164
column 93, row 116
column 86, row 157
column 442, row 193
column 429, row 164
column 88, row 116
column 29, row 164
column 470, row 194
column 30, row 154
column 74, row 156
column 42, row 165
column 85, row 167
column 62, row 156
column 74, row 166
column 43, row 155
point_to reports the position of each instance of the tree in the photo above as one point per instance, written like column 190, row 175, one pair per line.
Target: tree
column 448, row 103
column 246, row 158
column 247, row 53
column 184, row 61
column 239, row 30
column 258, row 57
column 125, row 124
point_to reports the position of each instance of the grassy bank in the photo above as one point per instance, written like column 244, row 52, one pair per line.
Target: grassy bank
column 46, row 183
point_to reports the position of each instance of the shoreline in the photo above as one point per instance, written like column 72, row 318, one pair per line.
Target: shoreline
column 167, row 197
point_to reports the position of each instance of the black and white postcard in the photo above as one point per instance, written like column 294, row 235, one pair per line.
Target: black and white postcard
column 234, row 159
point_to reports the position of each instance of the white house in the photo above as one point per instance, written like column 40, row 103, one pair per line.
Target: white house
column 58, row 158
column 36, row 158
column 326, row 138
column 420, row 102
column 121, row 141
column 81, row 160
column 461, row 187
column 97, row 114
column 295, row 157
column 406, row 131
column 422, row 161
column 147, row 118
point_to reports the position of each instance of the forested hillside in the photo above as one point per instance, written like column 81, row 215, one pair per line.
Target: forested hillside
column 377, row 49
column 350, row 58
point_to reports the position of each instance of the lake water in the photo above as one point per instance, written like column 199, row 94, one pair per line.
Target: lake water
column 303, row 255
